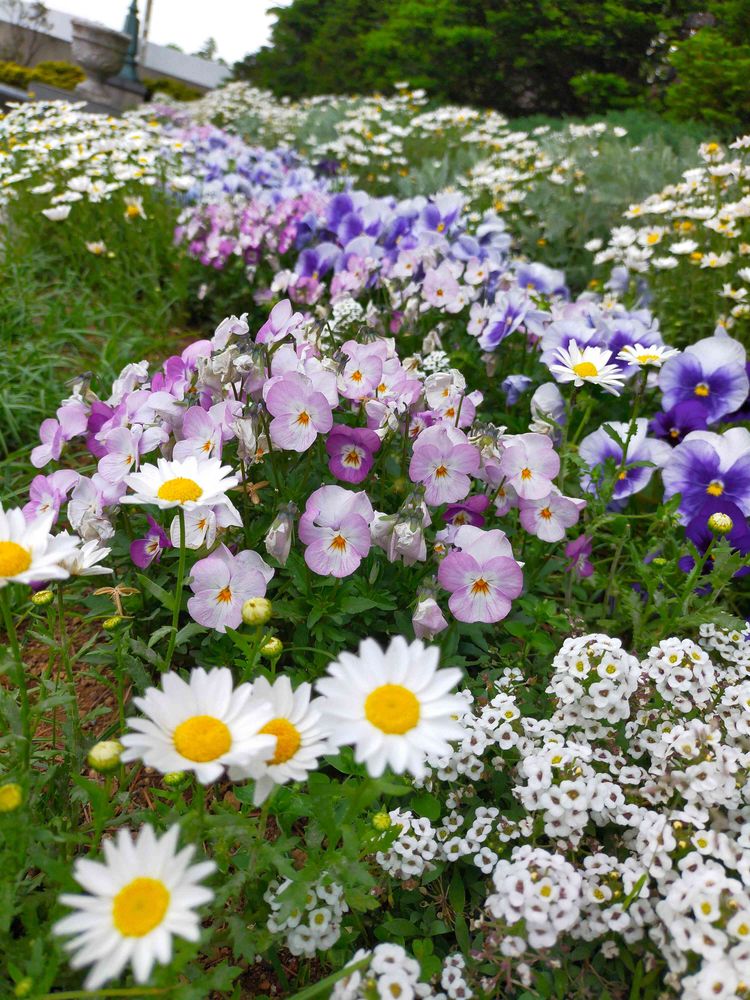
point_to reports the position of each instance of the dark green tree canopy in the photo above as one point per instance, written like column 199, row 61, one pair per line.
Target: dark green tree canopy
column 520, row 56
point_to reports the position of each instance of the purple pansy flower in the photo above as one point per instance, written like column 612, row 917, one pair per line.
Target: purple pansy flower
column 143, row 551
column 596, row 448
column 299, row 412
column 711, row 372
column 701, row 535
column 578, row 551
column 468, row 512
column 351, row 451
column 442, row 461
column 674, row 424
column 47, row 493
column 710, row 465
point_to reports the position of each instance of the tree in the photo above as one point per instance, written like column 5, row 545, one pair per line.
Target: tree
column 208, row 50
column 521, row 56
column 26, row 27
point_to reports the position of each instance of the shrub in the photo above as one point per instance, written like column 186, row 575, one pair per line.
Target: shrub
column 172, row 88
column 58, row 73
column 713, row 81
column 14, row 75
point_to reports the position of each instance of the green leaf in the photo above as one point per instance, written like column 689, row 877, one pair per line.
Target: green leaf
column 158, row 592
column 398, row 927
column 426, row 805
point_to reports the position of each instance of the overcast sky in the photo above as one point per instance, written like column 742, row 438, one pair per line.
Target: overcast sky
column 239, row 26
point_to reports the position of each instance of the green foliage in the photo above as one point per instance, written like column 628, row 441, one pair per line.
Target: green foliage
column 15, row 75
column 58, row 74
column 173, row 88
column 713, row 81
column 566, row 56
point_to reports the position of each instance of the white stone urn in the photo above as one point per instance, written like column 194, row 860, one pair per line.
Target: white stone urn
column 100, row 51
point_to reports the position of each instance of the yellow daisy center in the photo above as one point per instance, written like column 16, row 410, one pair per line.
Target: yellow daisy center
column 715, row 488
column 288, row 739
column 179, row 489
column 701, row 389
column 643, row 359
column 140, row 907
column 202, row 738
column 14, row 559
column 584, row 369
column 132, row 210
column 392, row 709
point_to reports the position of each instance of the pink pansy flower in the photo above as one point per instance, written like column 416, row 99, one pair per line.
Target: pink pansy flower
column 550, row 517
column 47, row 493
column 201, row 435
column 143, row 551
column 287, row 359
column 361, row 374
column 228, row 328
column 72, row 420
column 442, row 461
column 440, row 289
column 299, row 412
column 529, row 464
column 124, row 446
column 428, row 619
column 336, row 530
column 221, row 583
column 282, row 321
column 482, row 576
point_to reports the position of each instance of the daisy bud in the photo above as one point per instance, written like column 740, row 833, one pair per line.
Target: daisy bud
column 381, row 821
column 11, row 797
column 105, row 756
column 256, row 611
column 110, row 624
column 272, row 648
column 23, row 987
column 720, row 524
column 173, row 779
column 42, row 597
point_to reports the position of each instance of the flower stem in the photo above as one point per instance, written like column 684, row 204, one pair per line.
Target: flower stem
column 75, row 718
column 23, row 693
column 178, row 591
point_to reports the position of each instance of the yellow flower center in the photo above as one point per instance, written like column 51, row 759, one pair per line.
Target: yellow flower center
column 14, row 559
column 132, row 210
column 338, row 542
column 224, row 596
column 546, row 513
column 357, row 376
column 303, row 418
column 441, row 471
column 202, row 738
column 585, row 369
column 480, row 586
column 179, row 489
column 546, row 890
column 353, row 458
column 140, row 907
column 392, row 708
column 715, row 488
column 701, row 389
column 644, row 359
column 288, row 739
column 525, row 473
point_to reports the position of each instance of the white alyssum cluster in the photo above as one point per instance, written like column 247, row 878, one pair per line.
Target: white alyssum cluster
column 389, row 973
column 314, row 927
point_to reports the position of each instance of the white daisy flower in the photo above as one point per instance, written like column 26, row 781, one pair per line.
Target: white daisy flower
column 187, row 484
column 300, row 737
column 202, row 725
column 141, row 895
column 655, row 355
column 587, row 365
column 84, row 561
column 392, row 705
column 58, row 213
column 29, row 552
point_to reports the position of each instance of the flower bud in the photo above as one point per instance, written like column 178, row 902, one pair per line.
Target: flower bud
column 42, row 597
column 720, row 524
column 256, row 611
column 105, row 756
column 278, row 540
column 272, row 648
column 174, row 779
column 11, row 797
column 23, row 987
column 110, row 624
column 381, row 821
